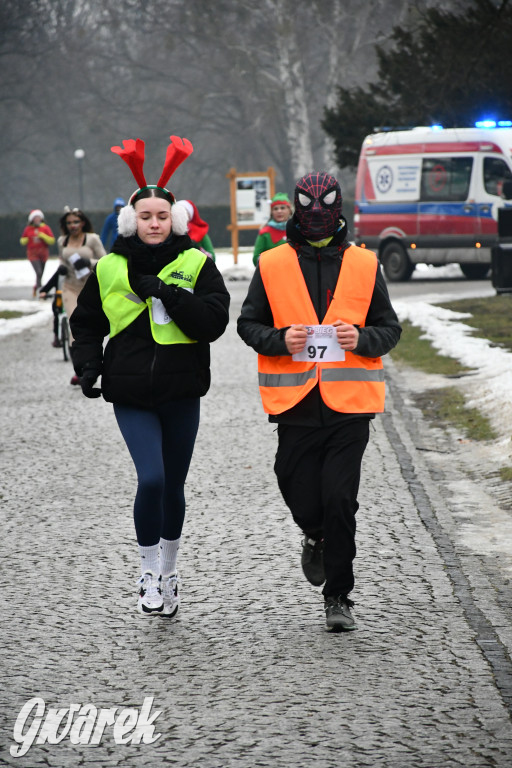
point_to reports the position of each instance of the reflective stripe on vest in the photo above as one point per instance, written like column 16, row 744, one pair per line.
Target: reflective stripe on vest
column 355, row 385
column 122, row 306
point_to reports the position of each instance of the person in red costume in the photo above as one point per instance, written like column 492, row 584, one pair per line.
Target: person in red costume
column 37, row 236
column 197, row 228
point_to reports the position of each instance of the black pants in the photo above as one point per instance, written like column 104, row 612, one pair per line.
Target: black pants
column 318, row 472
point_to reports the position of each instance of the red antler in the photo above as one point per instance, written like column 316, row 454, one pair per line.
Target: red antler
column 132, row 153
column 177, row 151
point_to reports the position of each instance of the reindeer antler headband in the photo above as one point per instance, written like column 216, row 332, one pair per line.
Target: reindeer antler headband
column 132, row 152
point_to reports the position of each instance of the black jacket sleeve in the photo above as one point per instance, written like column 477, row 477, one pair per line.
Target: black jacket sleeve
column 256, row 323
column 204, row 314
column 52, row 283
column 89, row 326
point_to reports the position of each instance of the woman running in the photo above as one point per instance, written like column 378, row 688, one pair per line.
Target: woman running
column 162, row 302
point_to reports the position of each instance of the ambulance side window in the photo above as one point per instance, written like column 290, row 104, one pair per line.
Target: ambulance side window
column 496, row 171
column 445, row 178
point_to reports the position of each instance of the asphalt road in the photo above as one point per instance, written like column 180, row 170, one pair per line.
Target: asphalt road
column 436, row 287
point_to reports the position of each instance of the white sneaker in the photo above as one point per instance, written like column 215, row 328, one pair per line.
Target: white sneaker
column 150, row 595
column 169, row 589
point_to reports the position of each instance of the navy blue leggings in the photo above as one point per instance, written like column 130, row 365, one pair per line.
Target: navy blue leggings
column 160, row 441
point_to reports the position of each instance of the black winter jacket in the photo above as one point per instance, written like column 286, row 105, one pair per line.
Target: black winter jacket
column 321, row 268
column 135, row 369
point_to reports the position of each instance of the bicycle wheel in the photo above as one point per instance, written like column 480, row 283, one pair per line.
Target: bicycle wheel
column 64, row 336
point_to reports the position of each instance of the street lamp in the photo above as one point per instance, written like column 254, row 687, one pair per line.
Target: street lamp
column 79, row 155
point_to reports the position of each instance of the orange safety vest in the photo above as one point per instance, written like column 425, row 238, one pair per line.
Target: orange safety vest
column 355, row 385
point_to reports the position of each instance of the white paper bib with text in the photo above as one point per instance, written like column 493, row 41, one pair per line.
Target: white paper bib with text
column 160, row 314
column 321, row 346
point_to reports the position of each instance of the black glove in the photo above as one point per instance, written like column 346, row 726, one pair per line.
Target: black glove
column 89, row 375
column 151, row 285
column 81, row 263
column 63, row 270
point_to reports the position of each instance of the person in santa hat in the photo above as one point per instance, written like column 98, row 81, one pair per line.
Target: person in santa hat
column 197, row 228
column 273, row 233
column 37, row 237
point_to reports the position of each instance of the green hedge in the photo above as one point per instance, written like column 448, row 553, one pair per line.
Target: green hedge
column 217, row 216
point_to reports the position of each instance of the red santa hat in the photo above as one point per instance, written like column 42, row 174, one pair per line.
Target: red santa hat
column 197, row 227
column 33, row 214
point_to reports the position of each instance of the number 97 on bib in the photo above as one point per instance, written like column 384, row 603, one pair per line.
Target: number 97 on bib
column 321, row 346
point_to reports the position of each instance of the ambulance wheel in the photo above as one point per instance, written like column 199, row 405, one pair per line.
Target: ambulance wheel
column 475, row 271
column 396, row 263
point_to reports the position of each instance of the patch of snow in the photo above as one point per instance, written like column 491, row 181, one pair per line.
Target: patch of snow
column 490, row 386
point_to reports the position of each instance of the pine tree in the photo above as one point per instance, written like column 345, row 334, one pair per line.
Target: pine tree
column 452, row 68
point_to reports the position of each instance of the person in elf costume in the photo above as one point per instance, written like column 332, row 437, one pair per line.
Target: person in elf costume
column 197, row 228
column 37, row 237
column 274, row 231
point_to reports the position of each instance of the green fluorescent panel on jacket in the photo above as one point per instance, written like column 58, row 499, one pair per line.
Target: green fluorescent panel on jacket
column 122, row 306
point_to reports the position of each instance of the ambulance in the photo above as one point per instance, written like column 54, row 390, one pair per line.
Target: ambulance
column 431, row 195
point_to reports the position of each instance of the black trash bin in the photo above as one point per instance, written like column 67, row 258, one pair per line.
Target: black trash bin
column 501, row 253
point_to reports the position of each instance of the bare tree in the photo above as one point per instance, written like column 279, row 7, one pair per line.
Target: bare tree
column 246, row 82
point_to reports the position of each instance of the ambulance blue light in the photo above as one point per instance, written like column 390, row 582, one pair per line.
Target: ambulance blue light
column 437, row 127
column 505, row 123
column 485, row 124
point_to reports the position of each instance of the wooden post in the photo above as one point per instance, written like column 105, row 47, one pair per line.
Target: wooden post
column 232, row 226
column 272, row 176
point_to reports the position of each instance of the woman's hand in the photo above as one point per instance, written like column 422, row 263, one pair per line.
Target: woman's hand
column 82, row 263
column 88, row 378
column 151, row 285
column 146, row 285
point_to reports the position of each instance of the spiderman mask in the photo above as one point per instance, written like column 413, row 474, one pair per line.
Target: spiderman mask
column 318, row 205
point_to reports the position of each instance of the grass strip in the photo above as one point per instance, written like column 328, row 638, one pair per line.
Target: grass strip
column 445, row 405
column 491, row 317
column 7, row 314
column 419, row 353
column 448, row 406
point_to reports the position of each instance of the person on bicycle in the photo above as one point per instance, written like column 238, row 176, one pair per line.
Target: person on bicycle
column 53, row 283
column 161, row 301
column 79, row 249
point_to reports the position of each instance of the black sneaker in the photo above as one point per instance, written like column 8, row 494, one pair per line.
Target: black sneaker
column 312, row 561
column 338, row 615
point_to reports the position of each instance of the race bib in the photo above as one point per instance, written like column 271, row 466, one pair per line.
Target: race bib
column 321, row 346
column 159, row 312
column 79, row 273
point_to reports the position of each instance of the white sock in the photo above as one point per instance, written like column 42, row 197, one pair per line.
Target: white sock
column 168, row 556
column 149, row 559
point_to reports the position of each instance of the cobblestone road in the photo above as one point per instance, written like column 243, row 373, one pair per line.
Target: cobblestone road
column 247, row 676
